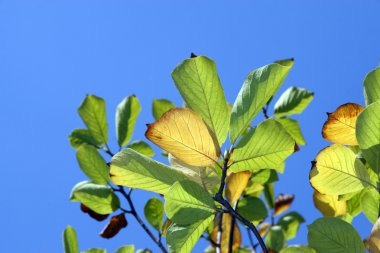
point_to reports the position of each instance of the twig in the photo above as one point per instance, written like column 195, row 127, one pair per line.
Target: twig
column 251, row 239
column 219, row 235
column 265, row 111
column 232, row 230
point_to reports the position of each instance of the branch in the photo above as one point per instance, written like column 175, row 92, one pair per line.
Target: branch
column 219, row 235
column 232, row 229
column 220, row 199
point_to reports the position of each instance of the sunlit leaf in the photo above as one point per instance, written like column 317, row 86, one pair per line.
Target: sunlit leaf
column 94, row 250
column 99, row 198
column 276, row 239
column 183, row 133
column 82, row 136
column 130, row 168
column 260, row 85
column 329, row 205
column 353, row 205
column 369, row 202
column 154, row 212
column 187, row 202
column 269, row 195
column 340, row 126
column 92, row 214
column 264, row 176
column 265, row 147
column 372, row 86
column 373, row 242
column 368, row 135
column 337, row 171
column 206, row 177
column 290, row 223
column 165, row 227
column 298, row 249
column 160, row 106
column 93, row 113
column 70, row 241
column 253, row 209
column 113, row 227
column 182, row 238
column 126, row 115
column 142, row 147
column 126, row 249
column 235, row 185
column 293, row 128
column 293, row 101
column 198, row 82
column 226, row 230
column 329, row 234
column 93, row 164
column 282, row 203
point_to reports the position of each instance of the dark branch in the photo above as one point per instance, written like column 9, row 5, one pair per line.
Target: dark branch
column 232, row 229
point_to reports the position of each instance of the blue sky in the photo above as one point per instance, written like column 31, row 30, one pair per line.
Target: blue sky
column 54, row 52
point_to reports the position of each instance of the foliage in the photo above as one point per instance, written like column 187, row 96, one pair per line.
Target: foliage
column 204, row 192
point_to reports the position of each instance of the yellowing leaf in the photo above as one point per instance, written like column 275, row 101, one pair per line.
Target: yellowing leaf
column 373, row 242
column 183, row 133
column 226, row 229
column 282, row 203
column 329, row 205
column 341, row 125
column 236, row 183
column 337, row 171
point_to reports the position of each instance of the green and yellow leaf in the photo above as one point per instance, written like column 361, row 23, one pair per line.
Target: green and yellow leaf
column 126, row 116
column 226, row 230
column 329, row 205
column 235, row 185
column 70, row 241
column 154, row 212
column 293, row 128
column 372, row 86
column 293, row 101
column 160, row 106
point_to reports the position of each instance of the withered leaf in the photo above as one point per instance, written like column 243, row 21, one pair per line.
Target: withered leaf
column 282, row 203
column 93, row 214
column 113, row 227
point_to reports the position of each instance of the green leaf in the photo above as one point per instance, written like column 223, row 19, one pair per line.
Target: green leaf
column 82, row 136
column 369, row 202
column 142, row 147
column 298, row 249
column 160, row 106
column 293, row 128
column 70, row 241
column 269, row 195
column 337, row 171
column 93, row 113
column 94, row 250
column 93, row 164
column 198, row 82
column 253, row 209
column 126, row 249
column 187, row 202
column 290, row 223
column 260, row 85
column 265, row 147
column 143, row 251
column 293, row 101
column 182, row 238
column 353, row 205
column 126, row 116
column 265, row 176
column 130, row 168
column 372, row 86
column 368, row 135
column 206, row 177
column 99, row 198
column 154, row 212
column 330, row 234
column 276, row 239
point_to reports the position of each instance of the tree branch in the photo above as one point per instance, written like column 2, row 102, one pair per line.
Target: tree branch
column 232, row 229
column 219, row 235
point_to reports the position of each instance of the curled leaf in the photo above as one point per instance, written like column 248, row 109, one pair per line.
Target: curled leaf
column 113, row 227
column 93, row 214
column 183, row 133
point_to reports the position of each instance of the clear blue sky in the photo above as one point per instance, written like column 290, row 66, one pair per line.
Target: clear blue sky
column 54, row 52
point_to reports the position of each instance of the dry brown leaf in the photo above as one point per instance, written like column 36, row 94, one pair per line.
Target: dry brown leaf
column 93, row 214
column 329, row 205
column 341, row 124
column 226, row 228
column 113, row 227
column 282, row 203
column 235, row 185
column 373, row 242
column 182, row 132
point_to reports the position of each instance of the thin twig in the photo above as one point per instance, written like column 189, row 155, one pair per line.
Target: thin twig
column 251, row 239
column 232, row 230
column 219, row 234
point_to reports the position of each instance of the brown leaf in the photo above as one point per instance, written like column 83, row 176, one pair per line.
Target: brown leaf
column 235, row 185
column 341, row 125
column 282, row 203
column 226, row 228
column 93, row 214
column 113, row 227
column 182, row 133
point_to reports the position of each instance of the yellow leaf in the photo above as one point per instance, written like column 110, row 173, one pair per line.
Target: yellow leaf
column 373, row 242
column 183, row 133
column 329, row 205
column 341, row 124
column 235, row 185
column 226, row 229
column 263, row 228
